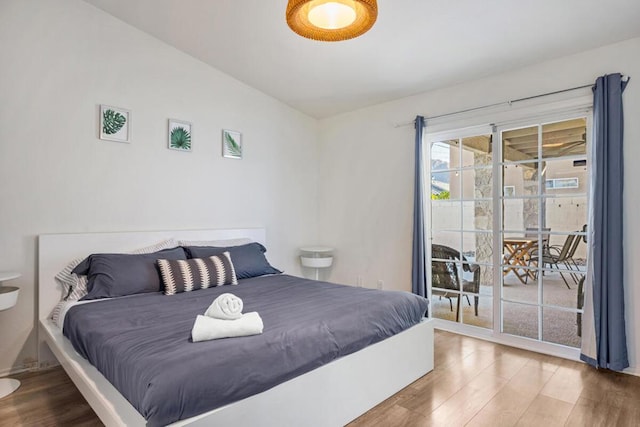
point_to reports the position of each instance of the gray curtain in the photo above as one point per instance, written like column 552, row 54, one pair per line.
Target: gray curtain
column 605, row 235
column 419, row 270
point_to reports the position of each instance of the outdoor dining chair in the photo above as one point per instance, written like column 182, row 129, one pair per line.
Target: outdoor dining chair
column 446, row 275
column 556, row 255
column 571, row 262
column 532, row 233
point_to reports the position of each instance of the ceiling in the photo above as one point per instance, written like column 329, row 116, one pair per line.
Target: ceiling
column 559, row 139
column 567, row 138
column 415, row 46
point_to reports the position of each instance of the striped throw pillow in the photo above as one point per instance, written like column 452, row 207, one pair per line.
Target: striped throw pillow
column 197, row 273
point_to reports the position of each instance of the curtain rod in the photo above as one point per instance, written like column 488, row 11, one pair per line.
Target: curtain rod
column 498, row 104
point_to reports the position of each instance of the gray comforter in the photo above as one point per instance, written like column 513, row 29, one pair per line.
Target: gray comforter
column 141, row 343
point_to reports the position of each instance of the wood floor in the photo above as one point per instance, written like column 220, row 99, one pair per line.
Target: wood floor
column 474, row 383
column 478, row 383
column 46, row 398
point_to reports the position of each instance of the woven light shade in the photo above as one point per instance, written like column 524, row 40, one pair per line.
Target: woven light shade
column 366, row 12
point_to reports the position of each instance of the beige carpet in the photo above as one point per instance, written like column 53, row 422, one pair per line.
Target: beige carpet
column 558, row 326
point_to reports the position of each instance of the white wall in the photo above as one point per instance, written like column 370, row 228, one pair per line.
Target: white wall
column 366, row 169
column 60, row 60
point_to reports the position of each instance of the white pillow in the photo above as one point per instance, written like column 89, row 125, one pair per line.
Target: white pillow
column 67, row 280
column 55, row 314
column 165, row 244
column 219, row 243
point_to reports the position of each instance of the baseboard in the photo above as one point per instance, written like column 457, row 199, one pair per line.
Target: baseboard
column 18, row 369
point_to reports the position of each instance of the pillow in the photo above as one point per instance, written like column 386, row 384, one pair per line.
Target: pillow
column 79, row 290
column 75, row 286
column 114, row 275
column 55, row 314
column 67, row 280
column 248, row 260
column 196, row 273
column 218, row 243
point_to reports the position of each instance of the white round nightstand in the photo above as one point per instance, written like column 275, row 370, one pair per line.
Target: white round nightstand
column 8, row 298
column 316, row 257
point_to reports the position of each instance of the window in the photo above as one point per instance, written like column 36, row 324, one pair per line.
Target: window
column 552, row 184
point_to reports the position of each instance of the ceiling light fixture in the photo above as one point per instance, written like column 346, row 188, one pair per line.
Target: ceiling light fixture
column 331, row 20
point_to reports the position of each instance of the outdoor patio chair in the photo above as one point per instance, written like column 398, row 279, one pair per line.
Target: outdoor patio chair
column 556, row 255
column 571, row 262
column 532, row 233
column 580, row 304
column 445, row 275
column 580, row 301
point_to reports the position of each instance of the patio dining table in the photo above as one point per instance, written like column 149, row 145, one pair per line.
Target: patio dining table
column 516, row 257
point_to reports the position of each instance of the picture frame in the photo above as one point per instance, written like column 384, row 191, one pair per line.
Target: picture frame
column 115, row 124
column 231, row 144
column 179, row 135
column 509, row 191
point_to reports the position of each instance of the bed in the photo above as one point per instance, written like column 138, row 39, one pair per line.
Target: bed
column 329, row 395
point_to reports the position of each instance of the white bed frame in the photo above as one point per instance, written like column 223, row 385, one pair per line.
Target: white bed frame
column 331, row 395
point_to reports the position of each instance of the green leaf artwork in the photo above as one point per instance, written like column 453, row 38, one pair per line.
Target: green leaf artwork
column 180, row 139
column 233, row 148
column 112, row 121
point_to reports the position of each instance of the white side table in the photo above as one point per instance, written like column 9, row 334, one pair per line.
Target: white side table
column 316, row 257
column 8, row 298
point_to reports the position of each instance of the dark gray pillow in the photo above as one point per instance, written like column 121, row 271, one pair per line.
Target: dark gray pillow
column 114, row 275
column 248, row 260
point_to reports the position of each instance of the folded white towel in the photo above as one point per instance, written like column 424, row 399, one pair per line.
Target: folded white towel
column 208, row 328
column 226, row 307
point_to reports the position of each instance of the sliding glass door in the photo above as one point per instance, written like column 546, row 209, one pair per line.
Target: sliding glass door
column 544, row 214
column 462, row 185
column 507, row 216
